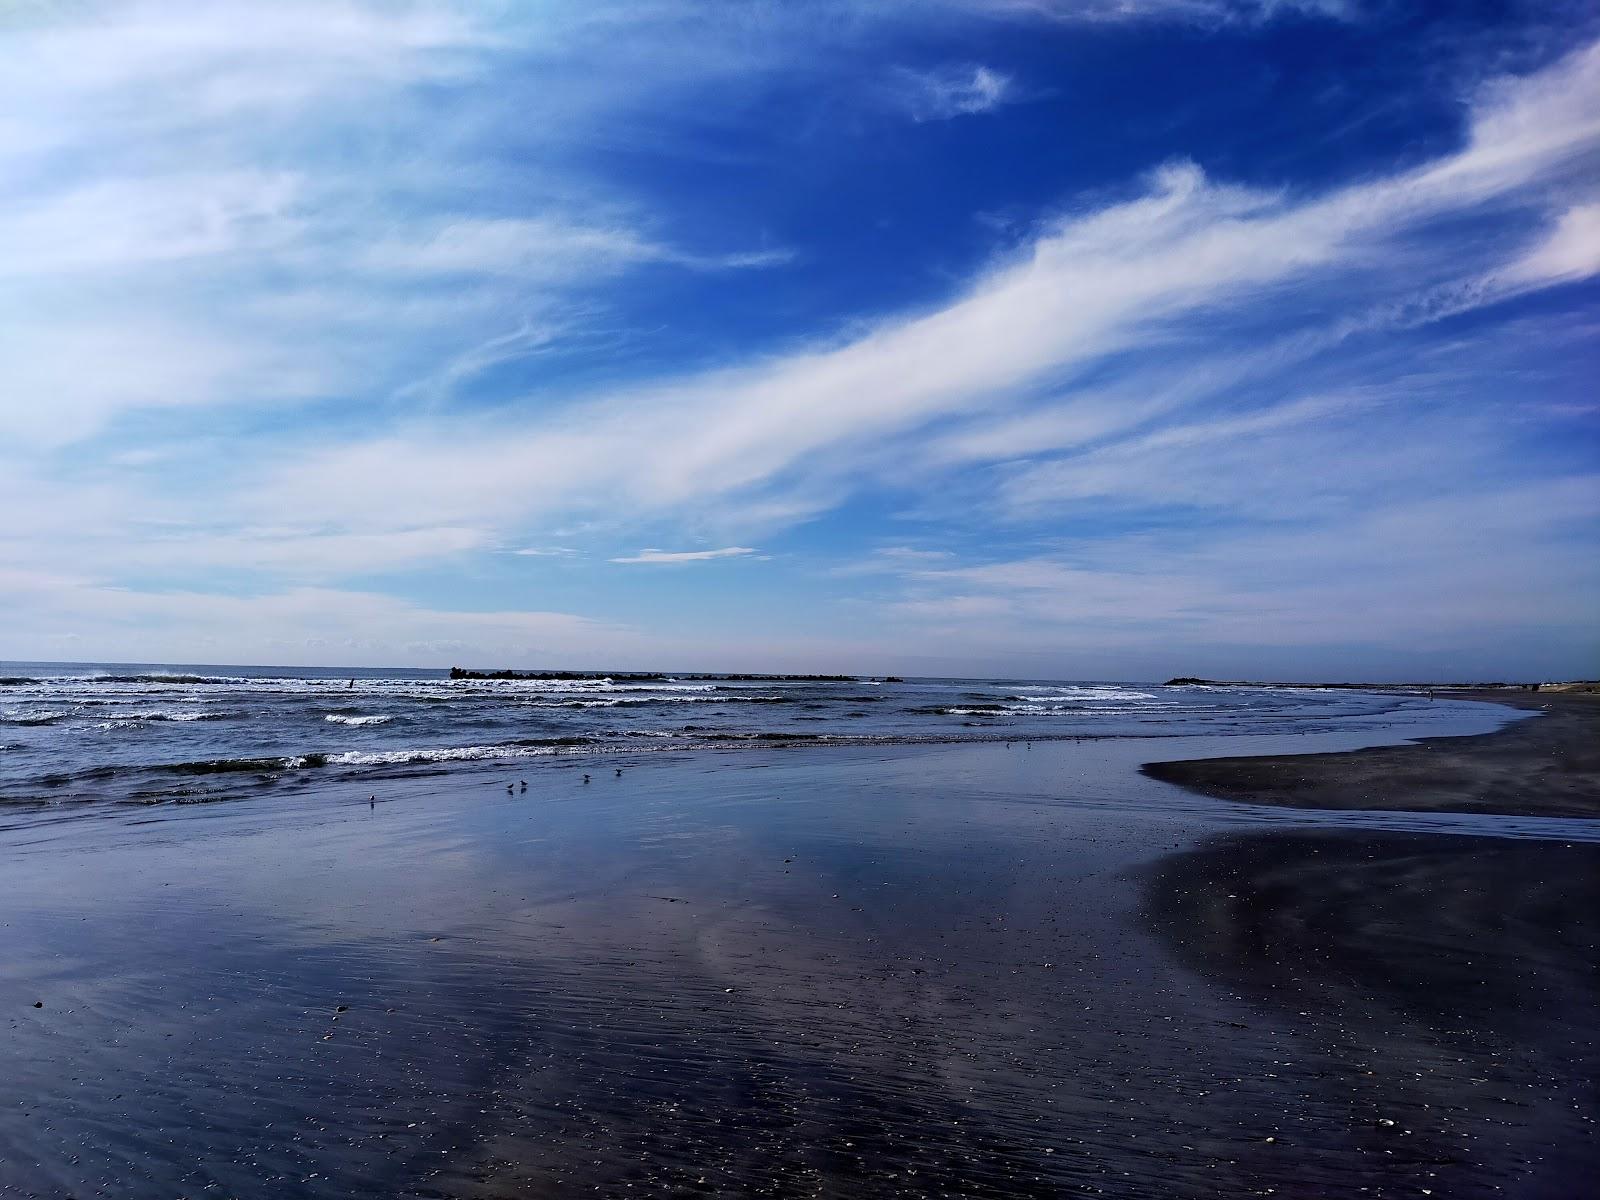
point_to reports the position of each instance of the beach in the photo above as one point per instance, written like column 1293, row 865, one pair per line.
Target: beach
column 1547, row 767
column 969, row 969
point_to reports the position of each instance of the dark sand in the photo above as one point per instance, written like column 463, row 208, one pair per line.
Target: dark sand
column 916, row 971
column 1450, row 986
column 1446, row 991
column 1547, row 766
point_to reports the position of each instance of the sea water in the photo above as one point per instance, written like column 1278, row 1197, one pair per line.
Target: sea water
column 150, row 733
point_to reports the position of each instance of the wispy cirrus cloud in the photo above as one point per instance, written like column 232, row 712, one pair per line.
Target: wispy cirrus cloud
column 335, row 294
column 1187, row 255
column 545, row 247
column 1199, row 12
column 215, row 196
column 1570, row 252
column 1301, row 585
column 954, row 91
column 76, row 617
column 686, row 556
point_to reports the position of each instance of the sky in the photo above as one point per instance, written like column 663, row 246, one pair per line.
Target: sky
column 1099, row 339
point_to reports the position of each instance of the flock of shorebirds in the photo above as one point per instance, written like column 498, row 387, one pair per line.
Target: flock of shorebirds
column 521, row 785
column 512, row 789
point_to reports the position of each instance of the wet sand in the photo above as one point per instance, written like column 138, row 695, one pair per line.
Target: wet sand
column 1450, row 985
column 972, row 970
column 1446, row 991
column 1548, row 765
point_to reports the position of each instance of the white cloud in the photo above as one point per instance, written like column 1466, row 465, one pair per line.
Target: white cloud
column 938, row 95
column 545, row 248
column 306, row 553
column 891, row 560
column 1166, row 265
column 62, row 378
column 113, row 225
column 1201, row 12
column 1252, row 461
column 1571, row 251
column 685, row 556
column 1423, row 572
column 216, row 207
column 47, row 615
column 190, row 69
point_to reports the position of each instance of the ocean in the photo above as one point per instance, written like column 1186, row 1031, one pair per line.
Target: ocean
column 144, row 733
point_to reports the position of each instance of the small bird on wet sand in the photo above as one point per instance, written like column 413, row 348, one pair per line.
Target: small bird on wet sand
column 586, row 778
column 524, row 785
column 619, row 772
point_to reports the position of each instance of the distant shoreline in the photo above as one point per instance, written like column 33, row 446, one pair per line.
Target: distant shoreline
column 1549, row 766
column 661, row 676
column 1455, row 689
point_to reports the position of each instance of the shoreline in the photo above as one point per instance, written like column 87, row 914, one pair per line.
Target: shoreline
column 1547, row 765
column 287, row 773
column 1402, row 956
column 962, row 968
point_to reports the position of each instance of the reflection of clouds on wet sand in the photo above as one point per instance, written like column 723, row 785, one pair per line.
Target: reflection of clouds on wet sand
column 897, row 972
column 1446, row 983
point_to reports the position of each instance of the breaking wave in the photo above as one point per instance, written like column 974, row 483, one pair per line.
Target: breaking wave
column 650, row 701
column 37, row 718
column 182, row 715
column 157, row 678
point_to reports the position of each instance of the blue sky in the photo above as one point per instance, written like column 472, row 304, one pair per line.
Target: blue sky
column 1003, row 337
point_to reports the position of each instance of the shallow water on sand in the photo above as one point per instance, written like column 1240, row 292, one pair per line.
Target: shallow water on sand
column 866, row 970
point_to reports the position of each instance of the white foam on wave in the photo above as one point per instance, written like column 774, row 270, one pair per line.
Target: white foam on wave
column 1088, row 692
column 140, row 720
column 379, row 758
column 14, row 716
column 577, row 703
column 570, row 686
column 638, row 701
column 342, row 719
column 608, row 685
